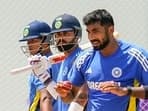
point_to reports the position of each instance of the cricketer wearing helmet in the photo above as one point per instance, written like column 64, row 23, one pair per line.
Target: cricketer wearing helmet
column 36, row 35
column 112, row 61
column 66, row 34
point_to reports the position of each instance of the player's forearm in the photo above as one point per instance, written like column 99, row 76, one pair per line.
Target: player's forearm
column 82, row 95
column 45, row 101
column 146, row 92
column 79, row 102
column 69, row 98
column 81, row 99
column 138, row 92
column 46, row 105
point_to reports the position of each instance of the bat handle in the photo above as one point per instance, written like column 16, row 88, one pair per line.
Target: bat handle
column 22, row 69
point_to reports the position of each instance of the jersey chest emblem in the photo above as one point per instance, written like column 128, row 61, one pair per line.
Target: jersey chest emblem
column 116, row 72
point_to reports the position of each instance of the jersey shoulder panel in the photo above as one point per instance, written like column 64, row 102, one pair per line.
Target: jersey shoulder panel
column 140, row 55
column 83, row 58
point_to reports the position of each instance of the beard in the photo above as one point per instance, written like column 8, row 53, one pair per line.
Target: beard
column 64, row 48
column 102, row 44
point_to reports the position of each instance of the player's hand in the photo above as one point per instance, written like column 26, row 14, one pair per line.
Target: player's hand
column 63, row 88
column 40, row 67
column 111, row 87
column 39, row 63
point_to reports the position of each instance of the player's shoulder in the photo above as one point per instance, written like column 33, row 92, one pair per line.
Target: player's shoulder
column 139, row 54
column 138, row 51
column 134, row 49
column 84, row 57
column 131, row 48
column 85, row 54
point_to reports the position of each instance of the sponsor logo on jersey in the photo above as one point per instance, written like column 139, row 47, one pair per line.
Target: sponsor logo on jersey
column 116, row 72
column 93, row 85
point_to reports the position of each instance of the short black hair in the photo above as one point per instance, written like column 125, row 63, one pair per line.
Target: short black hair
column 101, row 16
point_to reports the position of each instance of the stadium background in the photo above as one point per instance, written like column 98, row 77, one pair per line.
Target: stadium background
column 130, row 18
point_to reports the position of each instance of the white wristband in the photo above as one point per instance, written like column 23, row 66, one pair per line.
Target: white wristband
column 75, row 107
column 51, row 89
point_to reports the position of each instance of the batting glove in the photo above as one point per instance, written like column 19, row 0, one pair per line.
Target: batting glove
column 40, row 67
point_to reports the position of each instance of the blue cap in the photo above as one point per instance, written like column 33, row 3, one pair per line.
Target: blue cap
column 65, row 22
column 35, row 29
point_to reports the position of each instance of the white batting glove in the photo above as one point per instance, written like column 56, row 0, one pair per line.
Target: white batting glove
column 40, row 67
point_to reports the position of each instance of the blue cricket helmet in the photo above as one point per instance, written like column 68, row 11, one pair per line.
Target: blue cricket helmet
column 66, row 22
column 35, row 29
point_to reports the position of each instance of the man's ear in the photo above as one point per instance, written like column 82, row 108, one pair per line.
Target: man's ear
column 111, row 29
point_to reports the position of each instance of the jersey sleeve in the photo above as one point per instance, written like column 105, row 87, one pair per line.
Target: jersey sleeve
column 143, row 74
column 36, row 82
column 77, row 73
column 141, row 56
column 75, row 76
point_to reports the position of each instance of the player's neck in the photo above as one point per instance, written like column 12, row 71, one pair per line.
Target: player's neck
column 111, row 48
